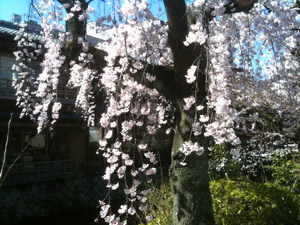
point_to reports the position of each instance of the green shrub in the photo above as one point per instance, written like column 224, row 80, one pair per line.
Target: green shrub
column 160, row 203
column 286, row 172
column 254, row 203
column 237, row 203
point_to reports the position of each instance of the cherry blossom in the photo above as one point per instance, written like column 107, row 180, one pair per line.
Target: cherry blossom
column 247, row 63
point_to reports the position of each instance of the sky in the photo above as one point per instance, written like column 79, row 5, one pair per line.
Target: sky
column 21, row 7
column 7, row 8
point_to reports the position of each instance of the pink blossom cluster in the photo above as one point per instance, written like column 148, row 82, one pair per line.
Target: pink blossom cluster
column 188, row 147
column 24, row 76
column 81, row 78
column 44, row 87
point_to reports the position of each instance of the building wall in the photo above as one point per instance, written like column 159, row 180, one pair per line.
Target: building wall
column 78, row 146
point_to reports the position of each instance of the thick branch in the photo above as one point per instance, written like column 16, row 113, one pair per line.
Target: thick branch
column 239, row 6
column 178, row 25
column 164, row 79
column 235, row 6
column 74, row 26
column 184, row 56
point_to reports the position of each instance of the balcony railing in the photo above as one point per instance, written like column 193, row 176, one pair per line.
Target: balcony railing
column 40, row 171
column 63, row 92
column 66, row 93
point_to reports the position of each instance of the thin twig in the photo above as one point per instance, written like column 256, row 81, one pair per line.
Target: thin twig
column 20, row 155
column 32, row 5
column 6, row 144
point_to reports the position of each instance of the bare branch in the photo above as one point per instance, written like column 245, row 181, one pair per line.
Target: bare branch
column 32, row 5
column 6, row 145
column 20, row 155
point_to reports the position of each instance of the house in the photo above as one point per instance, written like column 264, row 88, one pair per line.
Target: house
column 61, row 152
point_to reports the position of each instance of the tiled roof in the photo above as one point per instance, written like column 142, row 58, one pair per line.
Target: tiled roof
column 12, row 30
column 33, row 31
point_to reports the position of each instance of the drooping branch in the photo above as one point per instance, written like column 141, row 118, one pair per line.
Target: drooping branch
column 164, row 76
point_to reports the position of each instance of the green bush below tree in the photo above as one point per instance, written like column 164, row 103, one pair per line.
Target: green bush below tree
column 237, row 202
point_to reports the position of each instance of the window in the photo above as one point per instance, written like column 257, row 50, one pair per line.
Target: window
column 37, row 148
column 58, row 145
column 6, row 63
column 95, row 134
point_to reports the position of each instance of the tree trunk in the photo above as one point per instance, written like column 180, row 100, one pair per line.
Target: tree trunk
column 75, row 27
column 192, row 202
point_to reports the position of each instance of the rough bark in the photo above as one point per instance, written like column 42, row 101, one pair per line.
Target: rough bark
column 192, row 202
column 75, row 27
